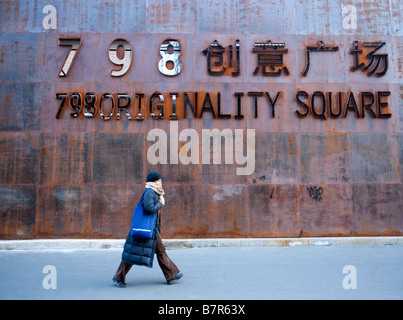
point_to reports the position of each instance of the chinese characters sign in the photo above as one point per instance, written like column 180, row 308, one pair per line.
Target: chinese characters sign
column 224, row 60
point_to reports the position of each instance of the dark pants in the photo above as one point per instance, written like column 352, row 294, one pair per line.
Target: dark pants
column 169, row 269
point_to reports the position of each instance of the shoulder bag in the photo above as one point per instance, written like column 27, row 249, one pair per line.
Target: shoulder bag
column 142, row 223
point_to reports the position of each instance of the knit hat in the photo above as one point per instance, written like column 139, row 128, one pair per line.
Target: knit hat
column 154, row 176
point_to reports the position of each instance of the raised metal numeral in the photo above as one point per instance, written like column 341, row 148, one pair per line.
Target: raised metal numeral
column 75, row 44
column 125, row 61
column 170, row 52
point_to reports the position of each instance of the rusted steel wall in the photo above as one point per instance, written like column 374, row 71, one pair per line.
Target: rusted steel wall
column 80, row 177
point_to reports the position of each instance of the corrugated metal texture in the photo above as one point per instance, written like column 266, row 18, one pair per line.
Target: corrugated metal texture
column 81, row 177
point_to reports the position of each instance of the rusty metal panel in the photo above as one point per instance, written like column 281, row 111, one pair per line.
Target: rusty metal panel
column 327, row 146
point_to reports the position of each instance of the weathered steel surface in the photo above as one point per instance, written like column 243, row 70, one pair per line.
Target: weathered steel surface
column 81, row 177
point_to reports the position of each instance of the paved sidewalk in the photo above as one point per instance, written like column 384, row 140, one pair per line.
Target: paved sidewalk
column 211, row 273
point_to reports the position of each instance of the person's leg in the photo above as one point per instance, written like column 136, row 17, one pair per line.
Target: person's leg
column 169, row 269
column 121, row 272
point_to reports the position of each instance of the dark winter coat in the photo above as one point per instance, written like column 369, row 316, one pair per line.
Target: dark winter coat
column 141, row 252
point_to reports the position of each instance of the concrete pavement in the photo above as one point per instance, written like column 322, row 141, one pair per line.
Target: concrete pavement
column 211, row 273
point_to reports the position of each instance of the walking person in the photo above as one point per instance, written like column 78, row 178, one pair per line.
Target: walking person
column 141, row 252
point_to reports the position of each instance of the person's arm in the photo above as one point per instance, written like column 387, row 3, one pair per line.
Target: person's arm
column 149, row 202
